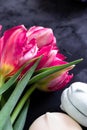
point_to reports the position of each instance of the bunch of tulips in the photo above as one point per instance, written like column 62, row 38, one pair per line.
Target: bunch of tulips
column 29, row 60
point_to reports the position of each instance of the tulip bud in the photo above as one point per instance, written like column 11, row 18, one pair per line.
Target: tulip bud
column 56, row 80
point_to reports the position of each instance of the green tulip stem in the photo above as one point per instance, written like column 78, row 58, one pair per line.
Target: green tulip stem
column 1, row 80
column 21, row 103
column 1, row 84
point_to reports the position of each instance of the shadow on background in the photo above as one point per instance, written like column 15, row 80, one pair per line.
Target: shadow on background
column 62, row 6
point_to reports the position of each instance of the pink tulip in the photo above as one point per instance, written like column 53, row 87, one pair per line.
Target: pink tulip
column 16, row 49
column 51, row 57
column 55, row 81
column 18, row 45
column 43, row 36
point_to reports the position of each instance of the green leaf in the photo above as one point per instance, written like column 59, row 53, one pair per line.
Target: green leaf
column 21, row 103
column 13, row 79
column 10, row 104
column 66, row 65
column 8, row 125
column 47, row 71
column 20, row 122
column 10, row 82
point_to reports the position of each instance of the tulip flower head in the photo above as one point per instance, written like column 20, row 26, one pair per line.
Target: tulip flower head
column 19, row 45
column 55, row 81
column 15, row 50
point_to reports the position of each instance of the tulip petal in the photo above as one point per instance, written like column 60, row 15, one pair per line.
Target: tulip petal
column 43, row 36
column 12, row 43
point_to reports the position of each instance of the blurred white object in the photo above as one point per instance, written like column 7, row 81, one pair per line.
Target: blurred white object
column 74, row 102
column 55, row 121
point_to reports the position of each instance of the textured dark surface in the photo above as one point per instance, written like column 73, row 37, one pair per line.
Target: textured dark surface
column 68, row 19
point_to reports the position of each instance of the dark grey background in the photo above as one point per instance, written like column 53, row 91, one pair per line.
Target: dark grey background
column 68, row 19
